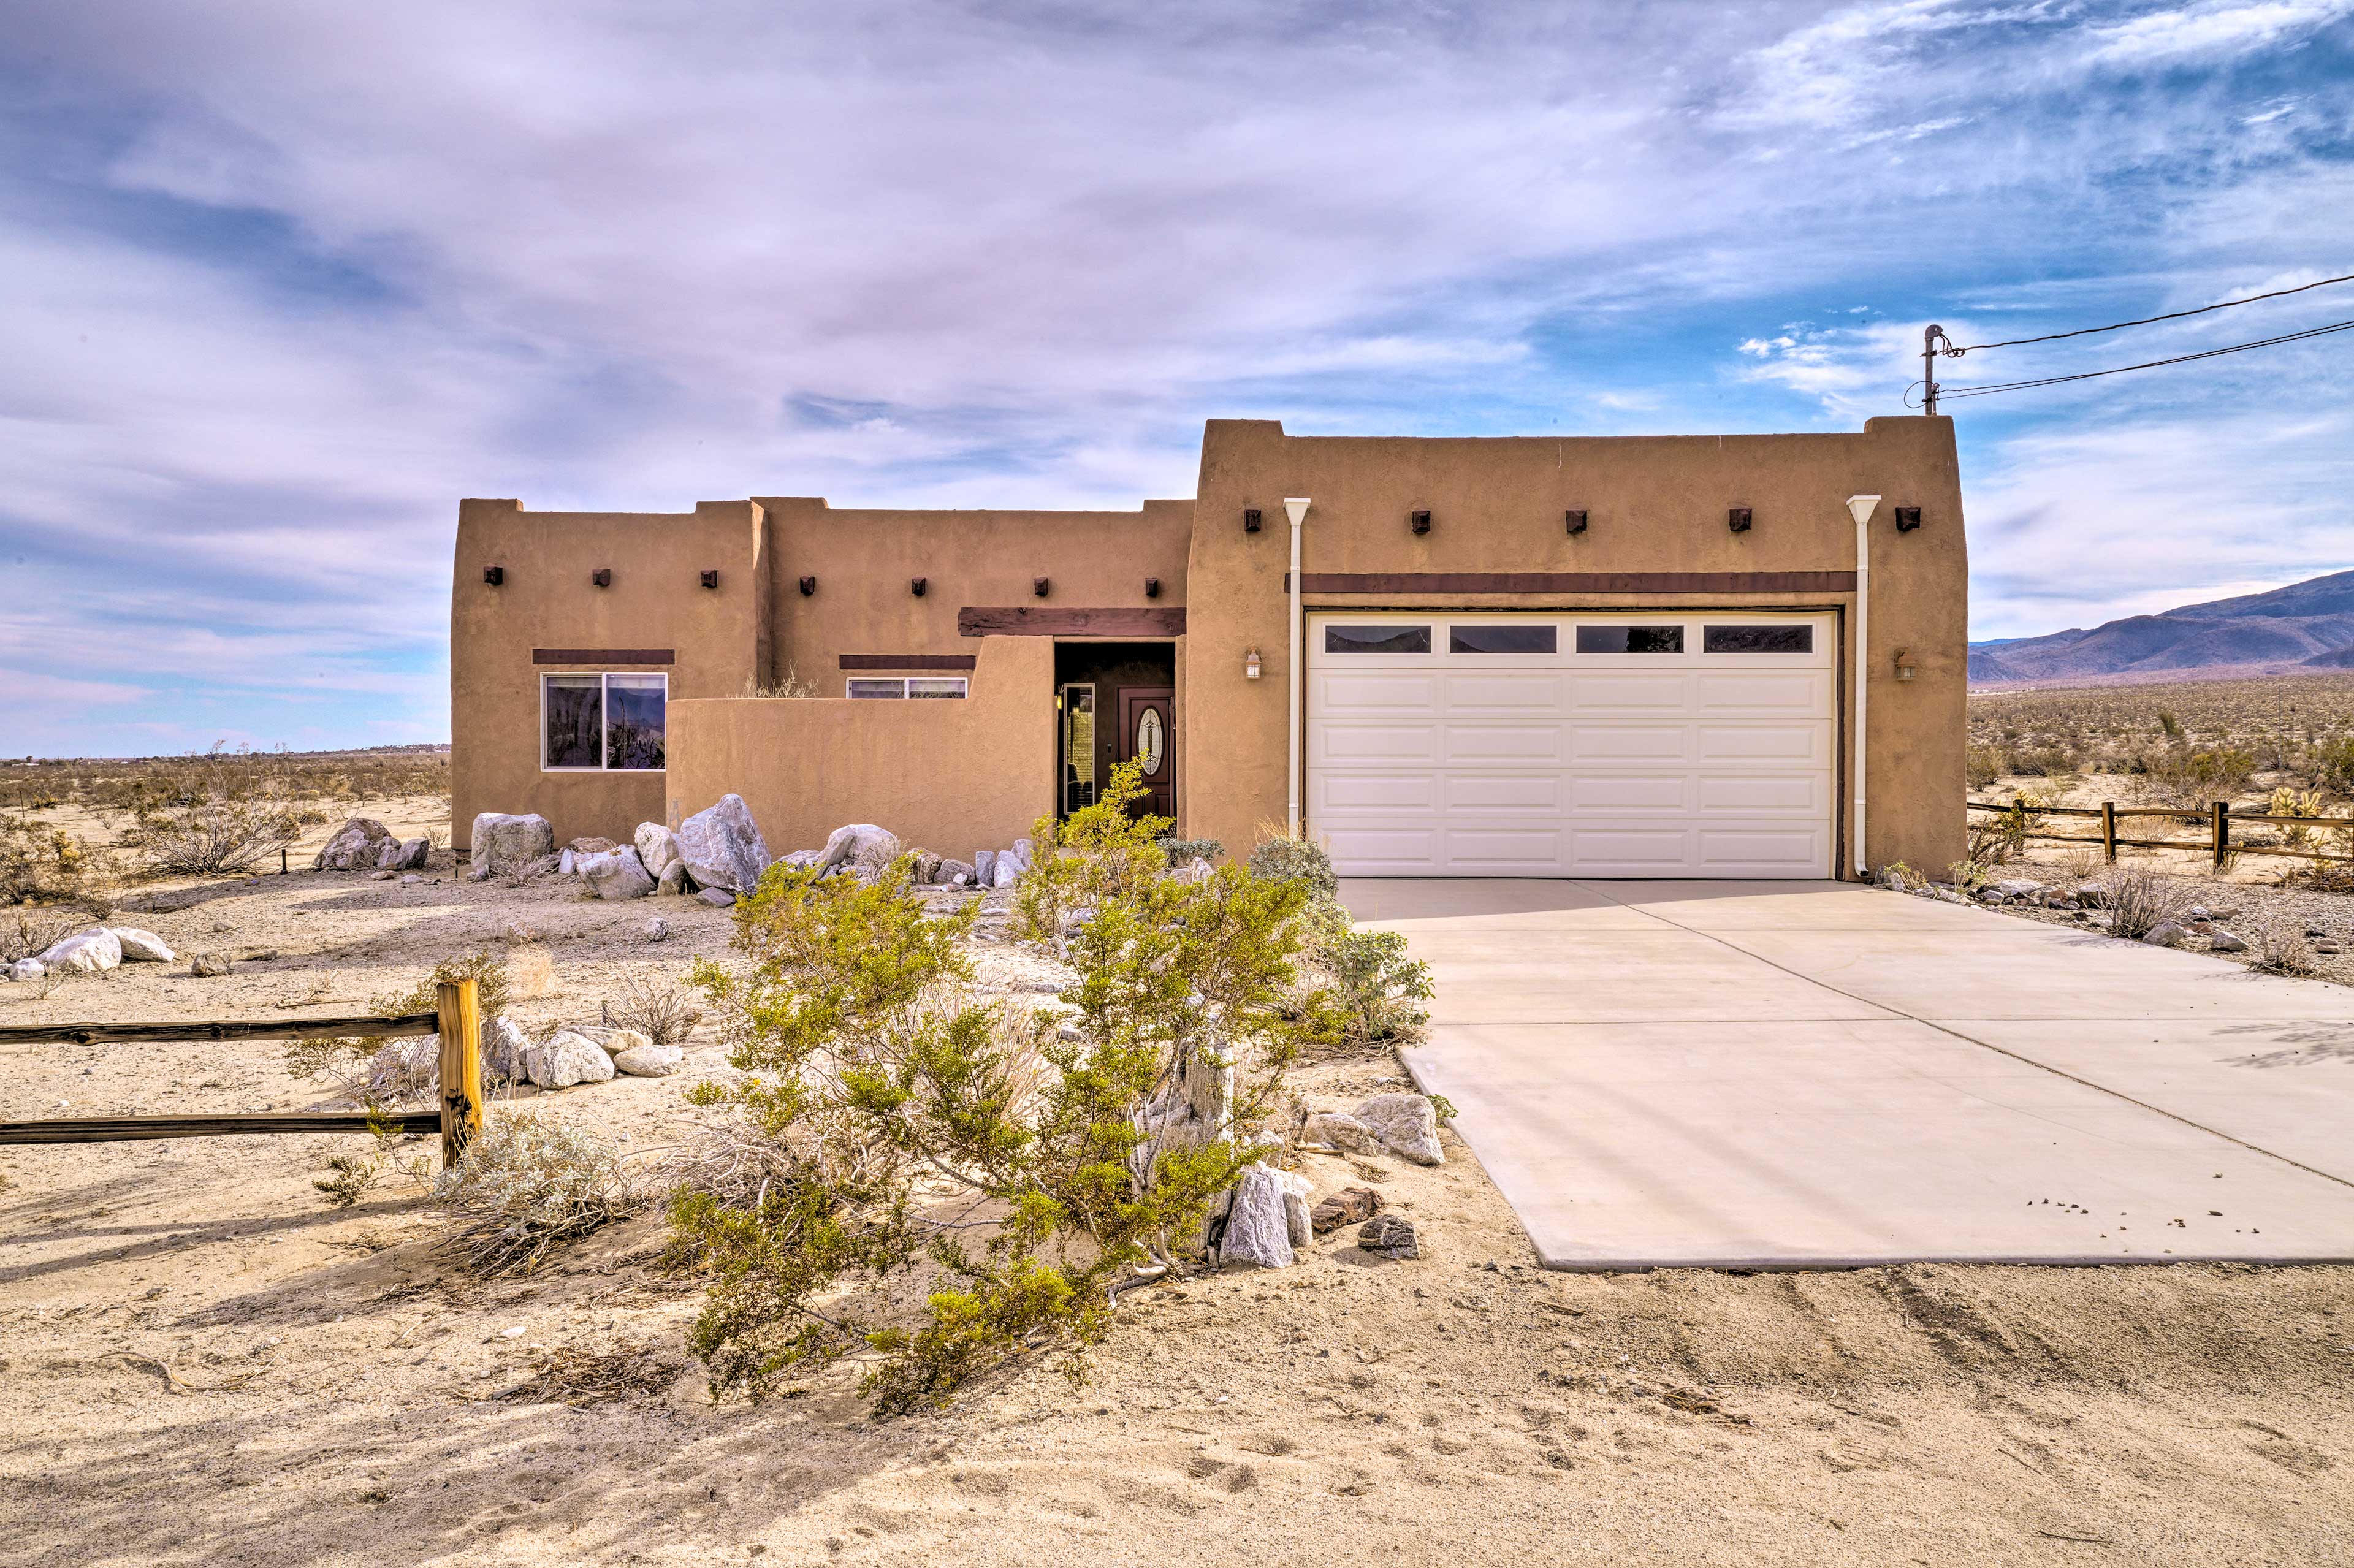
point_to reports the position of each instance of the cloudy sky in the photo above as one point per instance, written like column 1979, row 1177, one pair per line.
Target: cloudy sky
column 283, row 281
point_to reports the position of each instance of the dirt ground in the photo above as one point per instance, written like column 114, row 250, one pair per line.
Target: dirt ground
column 204, row 1363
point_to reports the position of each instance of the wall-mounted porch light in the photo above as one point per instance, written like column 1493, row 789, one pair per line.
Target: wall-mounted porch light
column 1250, row 519
column 494, row 576
column 1250, row 666
column 1737, row 519
column 711, row 579
column 916, row 587
column 602, row 577
column 1422, row 521
column 1904, row 664
column 808, row 587
column 1908, row 518
column 1152, row 587
column 1575, row 518
column 1038, row 586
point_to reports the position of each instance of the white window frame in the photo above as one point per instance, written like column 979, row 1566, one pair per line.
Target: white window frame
column 963, row 684
column 604, row 700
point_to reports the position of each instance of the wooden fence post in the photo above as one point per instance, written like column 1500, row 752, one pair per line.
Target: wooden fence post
column 2109, row 830
column 460, row 1014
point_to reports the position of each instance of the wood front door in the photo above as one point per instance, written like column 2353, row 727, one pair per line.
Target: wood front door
column 1147, row 737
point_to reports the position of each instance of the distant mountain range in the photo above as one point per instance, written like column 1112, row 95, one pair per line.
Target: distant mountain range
column 2306, row 626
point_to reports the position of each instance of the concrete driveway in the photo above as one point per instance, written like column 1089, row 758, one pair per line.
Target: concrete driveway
column 1820, row 1075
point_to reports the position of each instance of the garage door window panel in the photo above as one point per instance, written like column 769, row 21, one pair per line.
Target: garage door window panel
column 1763, row 639
column 1377, row 640
column 1503, row 637
column 1644, row 639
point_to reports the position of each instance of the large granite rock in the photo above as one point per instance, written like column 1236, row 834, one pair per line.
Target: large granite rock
column 85, row 952
column 649, row 1061
column 673, row 879
column 508, row 844
column 566, row 1058
column 615, row 873
column 1406, row 1125
column 26, row 969
column 657, row 849
column 503, row 1047
column 1341, row 1132
column 141, row 947
column 1258, row 1230
column 722, row 846
column 358, row 845
column 984, row 868
column 858, row 844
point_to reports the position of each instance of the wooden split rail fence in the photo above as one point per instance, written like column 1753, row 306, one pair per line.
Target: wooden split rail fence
column 456, row 1018
column 2217, row 819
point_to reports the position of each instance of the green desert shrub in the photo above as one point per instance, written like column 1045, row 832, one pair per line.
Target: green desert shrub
column 1374, row 980
column 1304, row 861
column 889, row 1122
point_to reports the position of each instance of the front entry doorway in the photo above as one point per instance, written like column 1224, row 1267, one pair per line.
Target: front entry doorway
column 1118, row 704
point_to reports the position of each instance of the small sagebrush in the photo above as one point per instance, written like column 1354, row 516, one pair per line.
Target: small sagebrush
column 657, row 1006
column 527, row 1183
column 1304, row 861
column 2140, row 900
column 28, row 933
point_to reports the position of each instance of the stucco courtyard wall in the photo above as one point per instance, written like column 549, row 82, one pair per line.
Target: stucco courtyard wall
column 946, row 775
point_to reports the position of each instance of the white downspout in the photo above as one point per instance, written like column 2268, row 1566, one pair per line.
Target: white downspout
column 1859, row 507
column 1295, row 672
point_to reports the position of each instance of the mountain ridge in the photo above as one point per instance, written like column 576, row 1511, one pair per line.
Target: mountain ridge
column 2305, row 626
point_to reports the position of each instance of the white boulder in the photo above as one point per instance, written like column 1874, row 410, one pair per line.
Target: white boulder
column 86, row 952
column 722, row 846
column 1340, row 1131
column 615, row 873
column 566, row 1058
column 25, row 969
column 1008, row 872
column 855, row 844
column 357, row 845
column 503, row 1046
column 505, row 843
column 1257, row 1230
column 673, row 879
column 649, row 1061
column 1406, row 1125
column 141, row 947
column 657, row 848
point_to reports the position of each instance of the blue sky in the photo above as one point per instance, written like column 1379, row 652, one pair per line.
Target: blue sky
column 284, row 281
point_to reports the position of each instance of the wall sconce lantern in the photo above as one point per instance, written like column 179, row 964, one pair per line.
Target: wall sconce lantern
column 1250, row 666
column 1738, row 519
column 602, row 577
column 1575, row 517
column 1904, row 664
column 1250, row 519
column 916, row 587
column 494, row 576
column 711, row 579
column 1152, row 587
column 1908, row 518
column 808, row 587
column 1422, row 522
column 1038, row 587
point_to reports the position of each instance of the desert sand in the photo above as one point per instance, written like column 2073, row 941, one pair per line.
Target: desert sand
column 204, row 1363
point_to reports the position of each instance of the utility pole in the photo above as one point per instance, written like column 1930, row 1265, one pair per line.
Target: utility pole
column 1930, row 339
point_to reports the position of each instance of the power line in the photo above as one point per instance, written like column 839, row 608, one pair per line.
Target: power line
column 1944, row 391
column 2170, row 316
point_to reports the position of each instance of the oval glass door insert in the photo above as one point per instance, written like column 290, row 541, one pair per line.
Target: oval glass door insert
column 1148, row 741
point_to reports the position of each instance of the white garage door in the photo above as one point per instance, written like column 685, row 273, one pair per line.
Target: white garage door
column 1676, row 745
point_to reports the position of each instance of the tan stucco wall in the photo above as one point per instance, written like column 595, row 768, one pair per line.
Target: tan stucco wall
column 952, row 776
column 1654, row 505
column 656, row 600
column 863, row 561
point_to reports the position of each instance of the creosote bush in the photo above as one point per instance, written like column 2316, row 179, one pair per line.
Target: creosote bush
column 656, row 1005
column 223, row 817
column 889, row 1120
column 1375, row 982
column 45, row 865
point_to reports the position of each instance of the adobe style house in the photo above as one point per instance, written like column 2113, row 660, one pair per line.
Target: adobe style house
column 1685, row 656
